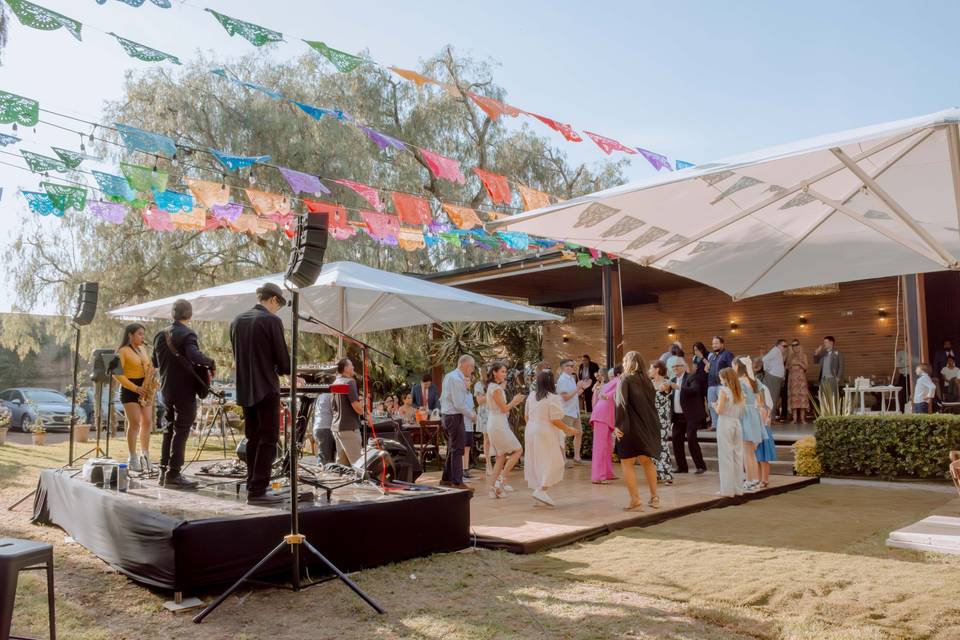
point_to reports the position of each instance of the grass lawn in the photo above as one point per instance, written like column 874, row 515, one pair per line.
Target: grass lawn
column 807, row 564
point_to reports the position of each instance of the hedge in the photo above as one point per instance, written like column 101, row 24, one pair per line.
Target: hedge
column 887, row 445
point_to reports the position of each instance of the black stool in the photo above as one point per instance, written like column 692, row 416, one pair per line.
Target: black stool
column 16, row 556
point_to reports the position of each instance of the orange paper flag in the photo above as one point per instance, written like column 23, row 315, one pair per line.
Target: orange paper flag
column 411, row 209
column 463, row 217
column 208, row 193
column 494, row 108
column 496, row 185
column 268, row 204
column 413, row 76
column 195, row 220
column 533, row 199
column 411, row 240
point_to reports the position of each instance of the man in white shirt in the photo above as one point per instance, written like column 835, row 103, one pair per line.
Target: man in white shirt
column 774, row 371
column 456, row 409
column 924, row 390
column 570, row 391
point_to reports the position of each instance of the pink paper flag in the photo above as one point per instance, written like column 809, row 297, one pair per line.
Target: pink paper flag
column 443, row 167
column 609, row 145
column 157, row 220
column 382, row 227
column 366, row 192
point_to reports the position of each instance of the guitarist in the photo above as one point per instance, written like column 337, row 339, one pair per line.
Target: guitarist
column 180, row 389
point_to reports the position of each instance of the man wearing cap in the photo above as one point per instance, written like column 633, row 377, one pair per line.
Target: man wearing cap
column 261, row 356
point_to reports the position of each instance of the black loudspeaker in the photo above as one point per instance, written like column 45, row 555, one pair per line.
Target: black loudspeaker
column 106, row 364
column 86, row 303
column 398, row 456
column 309, row 246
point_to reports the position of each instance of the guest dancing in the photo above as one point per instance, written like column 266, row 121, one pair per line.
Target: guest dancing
column 751, row 423
column 175, row 353
column 638, row 429
column 602, row 420
column 663, row 399
column 798, row 400
column 543, row 458
column 138, row 386
column 480, row 396
column 689, row 415
column 729, row 409
column 498, row 433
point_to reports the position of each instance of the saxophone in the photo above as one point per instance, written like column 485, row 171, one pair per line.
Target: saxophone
column 151, row 382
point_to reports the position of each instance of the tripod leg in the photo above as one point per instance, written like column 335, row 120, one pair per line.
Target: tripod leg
column 236, row 585
column 343, row 578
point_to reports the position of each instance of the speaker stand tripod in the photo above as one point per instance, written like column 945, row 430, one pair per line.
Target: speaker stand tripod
column 294, row 540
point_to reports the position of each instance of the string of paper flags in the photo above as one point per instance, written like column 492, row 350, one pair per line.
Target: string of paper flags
column 38, row 17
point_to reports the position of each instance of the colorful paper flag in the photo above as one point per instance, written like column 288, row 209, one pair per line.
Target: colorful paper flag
column 412, row 209
column 232, row 163
column 516, row 240
column 681, row 164
column 463, row 217
column 443, row 167
column 144, row 178
column 139, row 140
column 493, row 108
column 303, row 182
column 114, row 186
column 42, row 164
column 268, row 204
column 173, row 201
column 41, row 203
column 33, row 15
column 65, row 196
column 318, row 112
column 532, row 198
column 6, row 139
column 411, row 239
column 208, row 193
column 337, row 223
column 229, row 212
column 413, row 76
column 609, row 145
column 254, row 33
column 157, row 220
column 382, row 140
column 112, row 212
column 343, row 61
column 143, row 52
column 657, row 160
column 72, row 159
column 382, row 227
column 564, row 129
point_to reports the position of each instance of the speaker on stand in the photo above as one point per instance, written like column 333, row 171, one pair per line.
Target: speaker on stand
column 87, row 297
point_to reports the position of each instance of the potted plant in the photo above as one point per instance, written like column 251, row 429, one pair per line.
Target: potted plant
column 5, row 415
column 81, row 430
column 38, row 429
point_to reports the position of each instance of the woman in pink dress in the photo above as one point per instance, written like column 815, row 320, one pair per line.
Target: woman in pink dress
column 602, row 421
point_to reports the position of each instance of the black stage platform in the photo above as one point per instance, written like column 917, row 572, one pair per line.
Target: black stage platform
column 193, row 541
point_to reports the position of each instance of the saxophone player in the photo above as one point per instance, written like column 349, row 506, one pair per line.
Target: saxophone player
column 138, row 386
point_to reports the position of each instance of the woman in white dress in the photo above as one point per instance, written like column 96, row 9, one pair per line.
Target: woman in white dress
column 498, row 433
column 729, row 407
column 543, row 458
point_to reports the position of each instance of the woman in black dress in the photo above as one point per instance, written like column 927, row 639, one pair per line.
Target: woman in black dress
column 637, row 429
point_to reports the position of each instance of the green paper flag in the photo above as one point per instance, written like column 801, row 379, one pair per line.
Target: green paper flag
column 451, row 238
column 33, row 15
column 343, row 61
column 70, row 158
column 144, row 178
column 42, row 164
column 18, row 110
column 585, row 260
column 66, row 197
column 143, row 52
column 257, row 35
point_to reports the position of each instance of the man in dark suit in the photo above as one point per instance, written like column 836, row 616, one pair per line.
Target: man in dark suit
column 588, row 371
column 940, row 357
column 425, row 394
column 179, row 386
column 261, row 356
column 689, row 415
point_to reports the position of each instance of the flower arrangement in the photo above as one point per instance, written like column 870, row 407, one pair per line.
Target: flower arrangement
column 38, row 426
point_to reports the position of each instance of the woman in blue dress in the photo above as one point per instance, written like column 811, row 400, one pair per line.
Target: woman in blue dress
column 767, row 451
column 751, row 422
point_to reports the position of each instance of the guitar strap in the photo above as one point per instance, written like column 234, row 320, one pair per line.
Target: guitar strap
column 168, row 338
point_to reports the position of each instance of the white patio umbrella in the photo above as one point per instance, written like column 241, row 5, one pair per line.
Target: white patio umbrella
column 876, row 201
column 351, row 297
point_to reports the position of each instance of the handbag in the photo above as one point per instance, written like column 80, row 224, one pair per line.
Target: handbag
column 202, row 375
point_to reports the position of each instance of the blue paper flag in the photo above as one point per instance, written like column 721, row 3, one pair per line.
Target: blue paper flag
column 318, row 112
column 41, row 203
column 223, row 73
column 232, row 163
column 138, row 139
column 517, row 240
column 116, row 186
column 173, row 201
column 680, row 164
column 6, row 139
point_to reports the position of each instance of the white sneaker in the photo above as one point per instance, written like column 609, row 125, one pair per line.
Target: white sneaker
column 541, row 496
column 145, row 463
column 133, row 463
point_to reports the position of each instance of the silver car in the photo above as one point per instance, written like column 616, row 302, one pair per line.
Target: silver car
column 26, row 403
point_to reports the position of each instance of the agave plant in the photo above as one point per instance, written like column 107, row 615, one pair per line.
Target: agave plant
column 829, row 403
column 464, row 338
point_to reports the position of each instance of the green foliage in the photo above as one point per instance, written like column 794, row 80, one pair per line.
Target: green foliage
column 887, row 445
column 586, row 447
column 806, row 462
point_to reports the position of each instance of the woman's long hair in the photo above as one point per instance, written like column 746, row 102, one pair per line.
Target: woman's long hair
column 743, row 372
column 632, row 363
column 496, row 366
column 129, row 330
column 699, row 346
column 545, row 384
column 729, row 378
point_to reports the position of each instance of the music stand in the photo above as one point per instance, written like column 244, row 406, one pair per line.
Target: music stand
column 294, row 539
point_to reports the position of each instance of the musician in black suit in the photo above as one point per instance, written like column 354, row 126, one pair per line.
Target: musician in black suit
column 180, row 386
column 261, row 356
column 689, row 415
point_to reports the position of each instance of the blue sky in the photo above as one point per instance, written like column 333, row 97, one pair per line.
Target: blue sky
column 693, row 80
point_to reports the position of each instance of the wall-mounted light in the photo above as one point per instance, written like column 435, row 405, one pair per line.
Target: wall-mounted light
column 803, row 321
column 671, row 331
column 882, row 313
column 734, row 326
column 566, row 338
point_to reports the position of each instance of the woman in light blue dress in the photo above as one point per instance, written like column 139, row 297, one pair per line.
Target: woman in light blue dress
column 751, row 422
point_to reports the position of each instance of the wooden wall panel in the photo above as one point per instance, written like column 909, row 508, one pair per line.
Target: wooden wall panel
column 698, row 313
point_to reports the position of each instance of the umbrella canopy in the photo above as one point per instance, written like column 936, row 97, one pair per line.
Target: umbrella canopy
column 352, row 297
column 871, row 202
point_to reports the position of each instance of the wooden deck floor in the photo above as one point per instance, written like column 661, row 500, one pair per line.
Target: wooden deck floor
column 585, row 510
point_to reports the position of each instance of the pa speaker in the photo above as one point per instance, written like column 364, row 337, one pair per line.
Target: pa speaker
column 86, row 303
column 309, row 246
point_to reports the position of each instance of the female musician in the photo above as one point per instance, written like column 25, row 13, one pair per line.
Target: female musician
column 138, row 390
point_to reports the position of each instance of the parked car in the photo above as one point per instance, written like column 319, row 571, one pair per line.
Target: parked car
column 25, row 403
column 119, row 417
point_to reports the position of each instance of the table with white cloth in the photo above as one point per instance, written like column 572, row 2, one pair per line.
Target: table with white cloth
column 887, row 394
